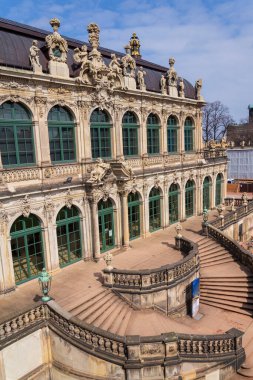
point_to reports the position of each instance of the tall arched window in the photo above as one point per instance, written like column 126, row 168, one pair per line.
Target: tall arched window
column 106, row 225
column 174, row 203
column 218, row 189
column 154, row 209
column 188, row 135
column 206, row 193
column 153, row 131
column 130, row 134
column 172, row 132
column 100, row 129
column 16, row 135
column 27, row 248
column 134, row 215
column 189, row 198
column 61, row 130
column 68, row 236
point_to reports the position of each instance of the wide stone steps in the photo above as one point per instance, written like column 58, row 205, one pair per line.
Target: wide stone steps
column 215, row 258
column 211, row 250
column 226, row 304
column 225, row 307
column 217, row 262
column 226, row 289
column 241, row 298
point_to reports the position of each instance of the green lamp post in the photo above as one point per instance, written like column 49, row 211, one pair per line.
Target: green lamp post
column 45, row 284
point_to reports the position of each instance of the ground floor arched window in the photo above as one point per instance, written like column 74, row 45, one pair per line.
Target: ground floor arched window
column 189, row 198
column 206, row 193
column 134, row 215
column 106, row 225
column 218, row 189
column 154, row 209
column 68, row 236
column 174, row 203
column 27, row 248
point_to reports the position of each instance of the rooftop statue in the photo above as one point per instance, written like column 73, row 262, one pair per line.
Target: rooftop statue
column 128, row 66
column 163, row 84
column 140, row 79
column 181, row 88
column 198, row 87
column 56, row 44
column 135, row 46
column 172, row 78
column 34, row 57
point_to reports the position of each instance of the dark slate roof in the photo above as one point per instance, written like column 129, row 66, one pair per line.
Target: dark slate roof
column 16, row 40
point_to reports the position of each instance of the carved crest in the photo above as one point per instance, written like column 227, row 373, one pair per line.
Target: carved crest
column 25, row 206
column 56, row 44
column 69, row 199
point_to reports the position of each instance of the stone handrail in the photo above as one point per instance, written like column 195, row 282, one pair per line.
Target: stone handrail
column 237, row 201
column 214, row 153
column 150, row 279
column 121, row 350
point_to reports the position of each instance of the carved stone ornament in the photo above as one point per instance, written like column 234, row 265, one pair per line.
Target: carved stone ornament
column 181, row 88
column 49, row 207
column 100, row 170
column 156, row 181
column 163, row 85
column 140, row 79
column 128, row 63
column 34, row 57
column 56, row 44
column 198, row 87
column 69, row 199
column 172, row 78
column 25, row 206
column 41, row 102
column 3, row 218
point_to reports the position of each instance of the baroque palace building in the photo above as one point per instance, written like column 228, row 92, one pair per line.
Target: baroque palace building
column 97, row 148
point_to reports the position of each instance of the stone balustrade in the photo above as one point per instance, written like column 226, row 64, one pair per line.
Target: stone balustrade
column 214, row 153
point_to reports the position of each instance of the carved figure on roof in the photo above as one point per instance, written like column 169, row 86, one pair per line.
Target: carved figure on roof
column 56, row 44
column 135, row 46
column 114, row 65
column 172, row 78
column 163, row 85
column 128, row 66
column 81, row 56
column 100, row 170
column 198, row 87
column 181, row 88
column 34, row 57
column 140, row 79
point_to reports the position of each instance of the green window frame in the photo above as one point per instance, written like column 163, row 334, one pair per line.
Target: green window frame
column 27, row 248
column 188, row 135
column 154, row 210
column 206, row 193
column 218, row 188
column 189, row 198
column 16, row 136
column 172, row 134
column 134, row 215
column 68, row 236
column 174, row 203
column 100, row 128
column 153, row 134
column 106, row 225
column 61, row 130
column 130, row 134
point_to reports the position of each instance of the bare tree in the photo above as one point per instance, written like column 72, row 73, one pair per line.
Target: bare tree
column 216, row 119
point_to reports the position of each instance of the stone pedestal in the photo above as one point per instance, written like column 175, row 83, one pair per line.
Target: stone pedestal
column 58, row 69
column 130, row 83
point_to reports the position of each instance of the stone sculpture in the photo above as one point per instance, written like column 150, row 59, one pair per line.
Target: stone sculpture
column 163, row 85
column 181, row 88
column 101, row 168
column 172, row 78
column 140, row 79
column 34, row 57
column 198, row 86
column 128, row 66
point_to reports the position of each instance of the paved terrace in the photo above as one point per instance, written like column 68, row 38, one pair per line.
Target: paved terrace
column 72, row 282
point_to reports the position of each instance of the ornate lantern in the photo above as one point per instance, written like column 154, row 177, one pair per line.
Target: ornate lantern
column 45, row 285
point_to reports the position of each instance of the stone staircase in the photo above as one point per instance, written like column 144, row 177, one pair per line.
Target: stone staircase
column 101, row 308
column 221, row 284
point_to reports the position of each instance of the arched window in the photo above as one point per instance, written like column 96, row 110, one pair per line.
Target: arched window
column 134, row 215
column 100, row 128
column 174, row 203
column 16, row 135
column 130, row 134
column 106, row 225
column 153, row 131
column 218, row 189
column 172, row 132
column 68, row 236
column 154, row 209
column 188, row 135
column 189, row 198
column 61, row 129
column 27, row 248
column 206, row 193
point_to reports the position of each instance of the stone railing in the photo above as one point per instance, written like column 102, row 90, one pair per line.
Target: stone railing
column 128, row 350
column 224, row 221
column 149, row 280
column 237, row 201
column 214, row 153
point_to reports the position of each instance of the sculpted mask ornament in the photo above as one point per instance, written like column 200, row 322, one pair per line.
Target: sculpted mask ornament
column 57, row 46
column 34, row 57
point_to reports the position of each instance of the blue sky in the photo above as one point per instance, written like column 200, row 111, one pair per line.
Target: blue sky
column 209, row 39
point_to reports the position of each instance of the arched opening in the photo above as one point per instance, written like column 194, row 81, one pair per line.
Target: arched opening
column 174, row 203
column 188, row 135
column 134, row 215
column 189, row 198
column 206, row 193
column 68, row 236
column 130, row 134
column 153, row 131
column 172, row 134
column 27, row 248
column 106, row 225
column 154, row 209
column 61, row 130
column 218, row 189
column 16, row 135
column 100, row 130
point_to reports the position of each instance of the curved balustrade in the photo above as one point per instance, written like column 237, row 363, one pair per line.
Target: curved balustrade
column 165, row 276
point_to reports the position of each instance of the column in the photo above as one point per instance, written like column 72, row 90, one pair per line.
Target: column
column 85, row 127
column 50, row 247
column 95, row 229
column 124, row 208
column 41, row 136
column 82, row 113
column 7, row 278
column 145, row 213
column 164, row 147
column 118, row 139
